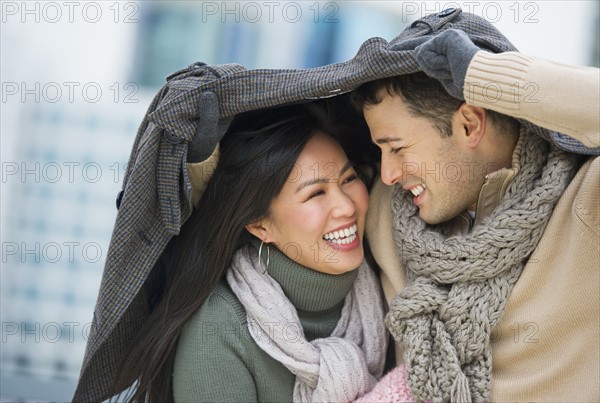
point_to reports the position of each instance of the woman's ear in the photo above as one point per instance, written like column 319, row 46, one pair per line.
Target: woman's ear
column 470, row 121
column 260, row 229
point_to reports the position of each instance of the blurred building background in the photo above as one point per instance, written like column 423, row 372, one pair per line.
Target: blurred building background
column 77, row 78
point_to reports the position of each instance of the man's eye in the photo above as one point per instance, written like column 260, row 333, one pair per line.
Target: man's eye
column 395, row 150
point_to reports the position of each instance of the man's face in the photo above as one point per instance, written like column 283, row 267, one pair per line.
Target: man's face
column 442, row 173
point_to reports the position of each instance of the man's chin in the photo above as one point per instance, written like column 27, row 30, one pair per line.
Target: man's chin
column 430, row 218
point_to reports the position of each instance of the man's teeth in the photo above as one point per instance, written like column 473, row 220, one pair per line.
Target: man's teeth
column 342, row 237
column 417, row 190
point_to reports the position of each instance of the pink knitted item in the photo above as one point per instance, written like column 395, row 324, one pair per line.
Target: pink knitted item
column 391, row 388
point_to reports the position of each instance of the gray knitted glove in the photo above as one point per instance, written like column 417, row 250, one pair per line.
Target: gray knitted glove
column 446, row 58
column 210, row 129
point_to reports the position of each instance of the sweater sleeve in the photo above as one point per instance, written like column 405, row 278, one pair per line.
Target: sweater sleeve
column 559, row 97
column 200, row 174
column 211, row 359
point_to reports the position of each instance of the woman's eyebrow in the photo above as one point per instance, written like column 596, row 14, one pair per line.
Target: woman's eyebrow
column 315, row 181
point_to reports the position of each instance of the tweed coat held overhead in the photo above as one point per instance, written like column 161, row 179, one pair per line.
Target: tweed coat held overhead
column 186, row 120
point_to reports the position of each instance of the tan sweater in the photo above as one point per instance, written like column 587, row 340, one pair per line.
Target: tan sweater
column 546, row 346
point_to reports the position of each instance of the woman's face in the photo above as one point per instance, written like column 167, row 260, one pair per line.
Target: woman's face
column 318, row 219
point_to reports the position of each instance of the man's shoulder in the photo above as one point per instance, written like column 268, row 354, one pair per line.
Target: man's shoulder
column 380, row 195
column 590, row 170
column 586, row 205
column 379, row 214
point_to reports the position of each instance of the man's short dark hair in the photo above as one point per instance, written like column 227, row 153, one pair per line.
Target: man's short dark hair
column 425, row 97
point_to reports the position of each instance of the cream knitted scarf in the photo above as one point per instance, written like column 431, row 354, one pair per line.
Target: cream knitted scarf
column 458, row 285
column 340, row 367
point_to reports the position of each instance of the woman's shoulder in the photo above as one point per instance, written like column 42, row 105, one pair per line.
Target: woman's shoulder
column 215, row 347
column 222, row 312
column 215, row 331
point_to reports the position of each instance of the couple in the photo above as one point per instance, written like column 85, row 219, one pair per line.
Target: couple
column 283, row 306
column 488, row 227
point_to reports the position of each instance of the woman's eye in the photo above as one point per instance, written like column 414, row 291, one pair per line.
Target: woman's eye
column 315, row 194
column 351, row 178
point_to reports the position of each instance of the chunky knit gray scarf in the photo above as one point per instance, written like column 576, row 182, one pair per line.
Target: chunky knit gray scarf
column 458, row 285
column 338, row 368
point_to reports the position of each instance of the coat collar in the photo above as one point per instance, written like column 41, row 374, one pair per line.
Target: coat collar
column 491, row 194
column 495, row 185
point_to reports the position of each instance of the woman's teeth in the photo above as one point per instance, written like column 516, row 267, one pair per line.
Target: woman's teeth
column 342, row 237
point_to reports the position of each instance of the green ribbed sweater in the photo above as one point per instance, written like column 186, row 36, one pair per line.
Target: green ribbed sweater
column 217, row 359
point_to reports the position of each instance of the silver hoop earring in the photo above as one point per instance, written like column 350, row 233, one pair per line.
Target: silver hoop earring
column 260, row 258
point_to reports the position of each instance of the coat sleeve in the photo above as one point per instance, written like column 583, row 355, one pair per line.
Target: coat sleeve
column 211, row 362
column 558, row 97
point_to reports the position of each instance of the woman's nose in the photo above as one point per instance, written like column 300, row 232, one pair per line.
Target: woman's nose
column 344, row 205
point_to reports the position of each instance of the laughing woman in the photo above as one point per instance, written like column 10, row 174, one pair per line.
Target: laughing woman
column 268, row 296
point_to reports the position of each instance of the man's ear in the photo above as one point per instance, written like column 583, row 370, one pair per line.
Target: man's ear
column 470, row 122
column 261, row 230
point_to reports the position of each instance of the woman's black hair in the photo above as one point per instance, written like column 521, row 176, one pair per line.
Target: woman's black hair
column 257, row 155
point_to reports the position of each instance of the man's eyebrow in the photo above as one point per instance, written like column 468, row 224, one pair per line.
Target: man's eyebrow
column 385, row 140
column 315, row 181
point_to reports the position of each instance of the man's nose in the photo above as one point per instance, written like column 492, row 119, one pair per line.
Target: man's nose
column 390, row 171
